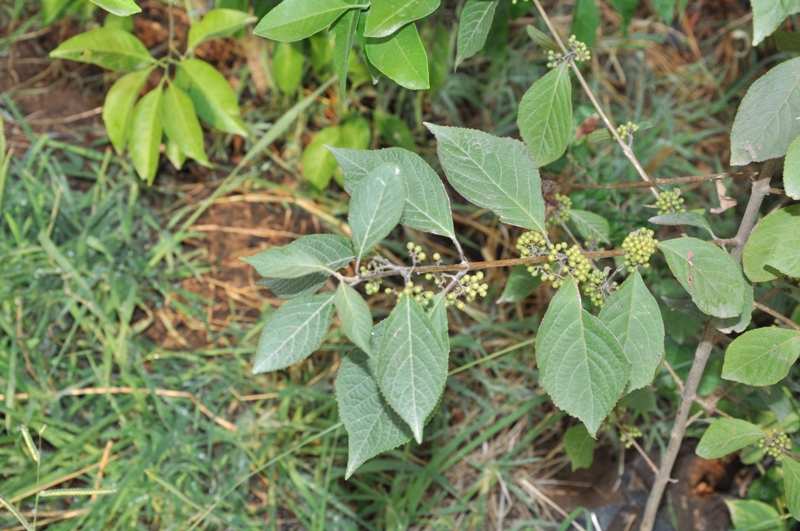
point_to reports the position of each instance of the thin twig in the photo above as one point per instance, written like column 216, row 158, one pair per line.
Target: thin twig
column 665, row 182
column 776, row 315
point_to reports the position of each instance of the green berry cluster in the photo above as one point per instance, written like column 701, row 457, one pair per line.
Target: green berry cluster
column 596, row 287
column 578, row 51
column 670, row 202
column 560, row 214
column 638, row 246
column 469, row 287
column 531, row 243
column 577, row 265
column 416, row 252
column 373, row 286
column 628, row 433
column 627, row 130
column 415, row 291
column 776, row 444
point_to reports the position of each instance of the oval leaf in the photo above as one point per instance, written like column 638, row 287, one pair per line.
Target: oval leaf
column 768, row 14
column 762, row 357
column 145, row 135
column 710, row 275
column 293, row 332
column 111, row 48
column 754, row 515
column 581, row 364
column 212, row 96
column 786, row 257
column 292, row 20
column 376, row 207
column 181, row 124
column 738, row 324
column 318, row 163
column 766, row 122
column 764, row 241
column 118, row 107
column 585, row 22
column 633, row 316
column 791, row 482
column 427, row 207
column 387, row 16
column 289, row 261
column 519, row 285
column 590, row 225
column 372, row 425
column 288, row 62
column 724, row 436
column 354, row 314
column 121, row 8
column 218, row 23
column 412, row 364
column 579, row 446
column 402, row 57
column 494, row 173
column 692, row 219
column 545, row 115
column 473, row 27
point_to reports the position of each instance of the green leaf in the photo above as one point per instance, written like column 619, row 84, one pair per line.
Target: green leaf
column 320, row 52
column 53, row 9
column 786, row 257
column 473, row 27
column 318, row 163
column 118, row 107
column 289, row 261
column 754, row 515
column 343, row 33
column 174, row 154
column 791, row 170
column 766, row 123
column 145, row 135
column 543, row 39
column 763, row 243
column 218, row 23
column 725, row 436
column 362, row 42
column 791, row 482
column 585, row 22
column 332, row 250
column 545, row 115
column 633, row 316
column 665, row 9
column 581, row 364
column 787, row 42
column 402, row 57
column 519, row 285
column 293, row 332
column 121, row 8
column 579, row 446
column 181, row 124
column 761, row 357
column 692, row 219
column 376, row 207
column 212, row 96
column 387, row 16
column 356, row 134
column 372, row 425
column 123, row 23
column 710, row 275
column 394, row 130
column 738, row 324
column 110, row 48
column 768, row 15
column 412, row 364
column 626, row 8
column 427, row 207
column 590, row 225
column 354, row 314
column 288, row 62
column 494, row 173
column 439, row 46
column 293, row 20
column 437, row 313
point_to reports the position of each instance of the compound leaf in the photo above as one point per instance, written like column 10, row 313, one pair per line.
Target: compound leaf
column 427, row 207
column 387, row 16
column 293, row 20
column 768, row 14
column 118, row 107
column 724, row 436
column 218, row 23
column 579, row 445
column 145, row 136
column 293, row 332
column 473, row 27
column 121, row 8
column 710, row 275
column 354, row 314
column 376, row 207
column 402, row 57
column 412, row 364
column 545, row 115
column 590, row 225
column 761, row 357
column 633, row 316
column 212, row 96
column 494, row 173
column 181, row 124
column 372, row 425
column 765, row 241
column 110, row 48
column 581, row 364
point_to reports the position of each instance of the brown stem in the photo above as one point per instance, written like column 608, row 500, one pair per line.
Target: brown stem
column 776, row 315
column 759, row 190
column 663, row 182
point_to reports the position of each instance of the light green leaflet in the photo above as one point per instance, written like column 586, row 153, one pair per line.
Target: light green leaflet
column 145, row 135
column 791, row 170
column 761, row 357
column 343, row 33
column 402, row 57
column 633, row 316
column 376, row 207
column 216, row 24
column 473, row 27
column 293, row 332
column 791, row 482
column 288, row 61
column 545, row 115
column 710, row 275
column 768, row 14
column 181, row 124
column 332, row 250
column 581, row 364
column 494, row 173
column 693, row 219
column 754, row 514
column 590, row 225
column 318, row 163
column 387, row 16
column 289, row 261
column 118, row 107
column 355, row 316
column 293, row 20
column 110, row 48
column 724, row 436
column 372, row 425
column 121, row 8
column 579, row 446
column 766, row 123
column 212, row 96
column 427, row 207
column 765, row 241
column 412, row 364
